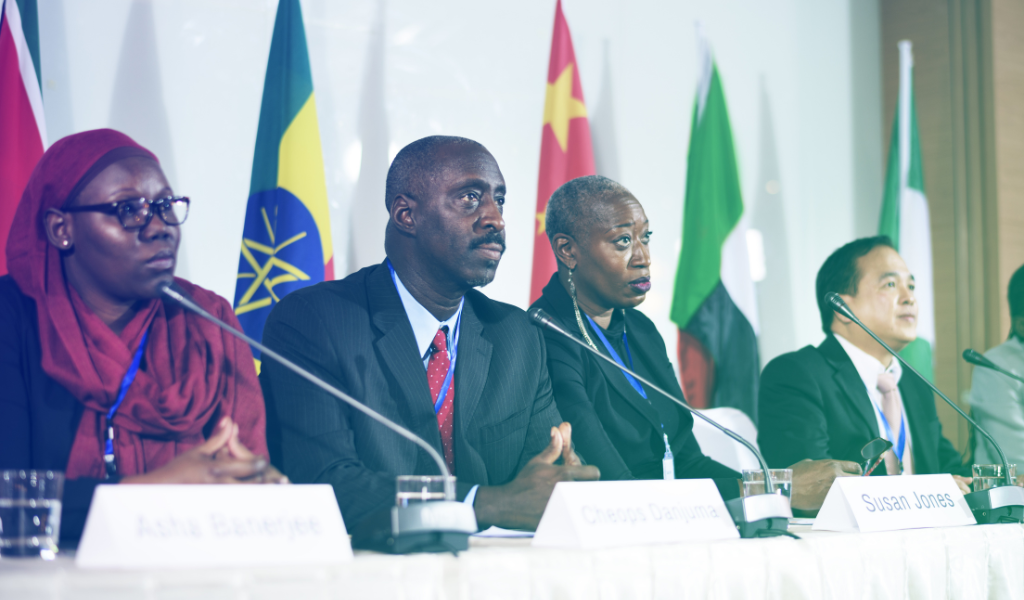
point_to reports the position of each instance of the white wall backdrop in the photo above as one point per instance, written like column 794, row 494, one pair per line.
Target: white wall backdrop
column 802, row 80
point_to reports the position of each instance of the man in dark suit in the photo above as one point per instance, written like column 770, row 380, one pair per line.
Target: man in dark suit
column 411, row 339
column 827, row 402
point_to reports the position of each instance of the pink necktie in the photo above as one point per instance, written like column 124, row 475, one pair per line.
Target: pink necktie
column 437, row 369
column 893, row 414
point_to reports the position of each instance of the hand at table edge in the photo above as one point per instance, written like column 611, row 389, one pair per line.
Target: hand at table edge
column 520, row 503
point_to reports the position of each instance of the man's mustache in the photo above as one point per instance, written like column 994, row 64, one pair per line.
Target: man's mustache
column 491, row 238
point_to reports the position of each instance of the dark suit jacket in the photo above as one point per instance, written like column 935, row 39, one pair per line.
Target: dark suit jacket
column 613, row 426
column 355, row 334
column 38, row 417
column 813, row 404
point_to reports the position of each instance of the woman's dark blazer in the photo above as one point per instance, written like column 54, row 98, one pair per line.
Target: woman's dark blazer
column 613, row 426
column 38, row 416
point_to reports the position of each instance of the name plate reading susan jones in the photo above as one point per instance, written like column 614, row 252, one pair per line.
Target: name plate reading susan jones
column 891, row 503
column 605, row 514
column 190, row 526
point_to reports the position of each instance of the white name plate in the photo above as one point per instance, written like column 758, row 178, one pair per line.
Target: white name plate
column 190, row 526
column 891, row 503
column 605, row 514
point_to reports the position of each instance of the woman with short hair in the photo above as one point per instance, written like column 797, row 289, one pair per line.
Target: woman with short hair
column 599, row 233
column 102, row 378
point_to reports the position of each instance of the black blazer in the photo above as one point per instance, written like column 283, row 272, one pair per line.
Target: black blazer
column 355, row 334
column 613, row 426
column 813, row 404
column 38, row 416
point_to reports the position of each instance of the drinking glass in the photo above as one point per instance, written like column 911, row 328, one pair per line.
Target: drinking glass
column 990, row 476
column 424, row 488
column 753, row 481
column 30, row 513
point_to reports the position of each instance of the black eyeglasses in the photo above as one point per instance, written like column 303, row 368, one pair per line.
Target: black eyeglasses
column 136, row 213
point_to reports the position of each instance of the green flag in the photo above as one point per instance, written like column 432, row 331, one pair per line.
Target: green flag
column 905, row 217
column 713, row 303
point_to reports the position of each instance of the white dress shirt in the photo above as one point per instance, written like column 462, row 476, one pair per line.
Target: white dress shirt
column 424, row 328
column 997, row 403
column 869, row 369
column 424, row 324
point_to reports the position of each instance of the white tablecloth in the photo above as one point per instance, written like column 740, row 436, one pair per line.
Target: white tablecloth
column 963, row 562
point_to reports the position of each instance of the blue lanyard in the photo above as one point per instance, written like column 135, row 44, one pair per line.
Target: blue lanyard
column 451, row 368
column 129, row 377
column 453, row 348
column 668, row 462
column 615, row 355
column 902, row 441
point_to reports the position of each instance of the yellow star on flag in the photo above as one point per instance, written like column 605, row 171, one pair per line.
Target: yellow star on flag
column 560, row 107
column 542, row 222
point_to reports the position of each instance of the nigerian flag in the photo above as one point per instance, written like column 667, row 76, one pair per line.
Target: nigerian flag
column 713, row 303
column 905, row 214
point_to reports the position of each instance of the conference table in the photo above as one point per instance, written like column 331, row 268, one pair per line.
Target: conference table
column 981, row 561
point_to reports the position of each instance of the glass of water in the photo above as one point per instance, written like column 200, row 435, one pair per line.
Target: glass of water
column 30, row 513
column 990, row 476
column 753, row 481
column 424, row 488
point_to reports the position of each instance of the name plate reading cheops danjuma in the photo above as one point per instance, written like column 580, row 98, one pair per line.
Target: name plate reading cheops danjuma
column 891, row 503
column 605, row 514
column 189, row 526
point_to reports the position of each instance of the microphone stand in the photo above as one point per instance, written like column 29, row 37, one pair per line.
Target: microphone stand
column 762, row 515
column 435, row 526
column 974, row 357
column 1001, row 504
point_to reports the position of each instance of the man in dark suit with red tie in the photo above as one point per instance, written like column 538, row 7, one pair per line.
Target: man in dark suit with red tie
column 413, row 340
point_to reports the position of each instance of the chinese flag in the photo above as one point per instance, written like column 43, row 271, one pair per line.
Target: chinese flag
column 565, row 149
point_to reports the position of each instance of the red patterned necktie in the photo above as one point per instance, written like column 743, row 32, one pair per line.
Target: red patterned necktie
column 437, row 369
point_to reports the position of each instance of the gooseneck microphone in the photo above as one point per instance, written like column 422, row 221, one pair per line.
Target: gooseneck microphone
column 542, row 319
column 975, row 358
column 173, row 291
column 984, row 504
column 423, row 527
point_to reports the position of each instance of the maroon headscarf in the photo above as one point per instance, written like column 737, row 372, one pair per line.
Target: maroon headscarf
column 192, row 374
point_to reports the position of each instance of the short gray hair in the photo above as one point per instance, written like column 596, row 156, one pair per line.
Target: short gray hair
column 571, row 208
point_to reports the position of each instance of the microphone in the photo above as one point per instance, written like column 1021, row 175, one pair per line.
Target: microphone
column 974, row 357
column 755, row 516
column 1004, row 504
column 423, row 527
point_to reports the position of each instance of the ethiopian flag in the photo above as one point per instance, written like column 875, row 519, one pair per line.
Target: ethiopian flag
column 286, row 242
column 22, row 126
column 713, row 303
column 565, row 148
column 905, row 216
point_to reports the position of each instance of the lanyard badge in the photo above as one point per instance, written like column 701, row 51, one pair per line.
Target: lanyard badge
column 901, row 442
column 668, row 464
column 108, row 448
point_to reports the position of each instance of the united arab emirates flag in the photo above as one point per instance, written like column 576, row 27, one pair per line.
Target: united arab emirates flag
column 713, row 303
column 905, row 216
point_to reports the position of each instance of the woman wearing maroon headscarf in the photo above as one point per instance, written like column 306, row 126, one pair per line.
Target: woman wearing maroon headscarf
column 101, row 378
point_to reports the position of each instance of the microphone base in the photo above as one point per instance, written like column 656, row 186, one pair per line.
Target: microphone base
column 763, row 515
column 440, row 526
column 1002, row 504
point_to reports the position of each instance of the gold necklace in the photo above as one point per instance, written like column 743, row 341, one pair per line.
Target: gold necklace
column 576, row 307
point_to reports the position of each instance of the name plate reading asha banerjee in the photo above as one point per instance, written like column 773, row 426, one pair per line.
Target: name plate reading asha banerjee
column 190, row 526
column 605, row 514
column 891, row 503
